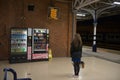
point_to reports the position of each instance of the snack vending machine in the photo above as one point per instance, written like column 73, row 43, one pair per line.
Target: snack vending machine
column 40, row 39
column 18, row 45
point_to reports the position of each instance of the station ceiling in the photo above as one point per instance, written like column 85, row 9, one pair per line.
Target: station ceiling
column 89, row 8
column 100, row 8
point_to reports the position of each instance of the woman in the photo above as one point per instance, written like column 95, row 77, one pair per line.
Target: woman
column 76, row 53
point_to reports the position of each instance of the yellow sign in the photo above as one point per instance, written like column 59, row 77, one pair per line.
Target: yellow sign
column 53, row 14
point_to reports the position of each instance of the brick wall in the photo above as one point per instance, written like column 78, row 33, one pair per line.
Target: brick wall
column 14, row 13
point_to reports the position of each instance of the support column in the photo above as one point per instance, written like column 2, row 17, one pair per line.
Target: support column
column 73, row 25
column 94, row 47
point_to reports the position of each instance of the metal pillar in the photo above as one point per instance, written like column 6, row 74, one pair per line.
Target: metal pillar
column 94, row 48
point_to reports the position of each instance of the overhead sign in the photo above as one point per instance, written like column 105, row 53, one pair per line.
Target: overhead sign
column 53, row 13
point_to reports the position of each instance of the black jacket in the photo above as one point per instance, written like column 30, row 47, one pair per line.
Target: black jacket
column 76, row 52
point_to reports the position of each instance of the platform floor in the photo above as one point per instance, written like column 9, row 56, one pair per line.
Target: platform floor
column 107, row 54
column 62, row 69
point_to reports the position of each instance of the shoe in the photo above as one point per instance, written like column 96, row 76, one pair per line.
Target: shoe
column 76, row 76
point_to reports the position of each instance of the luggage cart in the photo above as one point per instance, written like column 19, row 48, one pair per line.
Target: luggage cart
column 6, row 70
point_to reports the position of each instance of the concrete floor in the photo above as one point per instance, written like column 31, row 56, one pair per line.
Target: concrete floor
column 62, row 69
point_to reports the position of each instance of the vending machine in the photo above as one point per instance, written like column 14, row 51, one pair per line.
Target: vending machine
column 40, row 41
column 18, row 45
column 28, row 44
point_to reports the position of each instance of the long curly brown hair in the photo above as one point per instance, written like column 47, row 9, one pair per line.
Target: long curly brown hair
column 77, row 41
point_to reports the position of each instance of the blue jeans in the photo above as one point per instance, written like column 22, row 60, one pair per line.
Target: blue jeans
column 76, row 65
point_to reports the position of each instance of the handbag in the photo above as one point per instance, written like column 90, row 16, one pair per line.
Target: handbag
column 82, row 64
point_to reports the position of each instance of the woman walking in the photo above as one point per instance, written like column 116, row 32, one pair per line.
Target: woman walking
column 76, row 53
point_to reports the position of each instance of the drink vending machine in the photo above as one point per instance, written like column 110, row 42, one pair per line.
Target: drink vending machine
column 29, row 44
column 18, row 45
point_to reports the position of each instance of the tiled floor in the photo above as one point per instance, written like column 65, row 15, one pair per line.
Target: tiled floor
column 62, row 69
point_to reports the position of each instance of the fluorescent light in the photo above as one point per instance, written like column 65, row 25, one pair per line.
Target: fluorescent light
column 80, row 15
column 117, row 3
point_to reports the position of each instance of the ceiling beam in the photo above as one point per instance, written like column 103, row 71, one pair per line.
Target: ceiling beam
column 82, row 3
